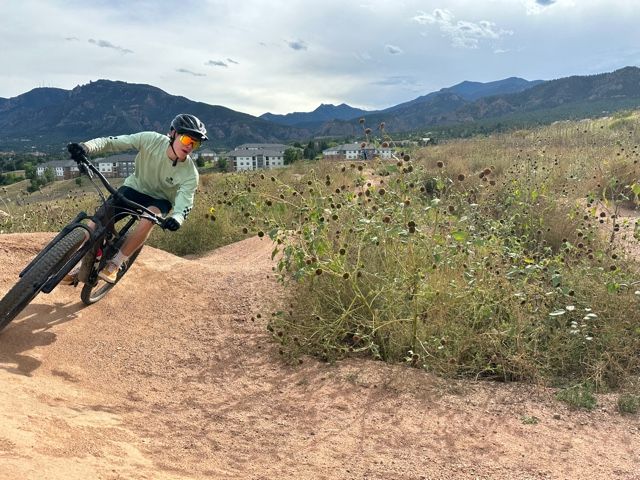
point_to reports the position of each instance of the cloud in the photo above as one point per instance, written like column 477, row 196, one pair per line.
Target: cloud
column 189, row 72
column 297, row 45
column 438, row 16
column 534, row 7
column 216, row 63
column 106, row 44
column 231, row 60
column 397, row 80
column 363, row 57
column 72, row 39
column 393, row 50
column 463, row 34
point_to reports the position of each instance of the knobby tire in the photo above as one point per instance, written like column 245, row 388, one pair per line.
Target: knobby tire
column 30, row 284
column 93, row 293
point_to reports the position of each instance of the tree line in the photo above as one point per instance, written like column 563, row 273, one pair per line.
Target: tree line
column 12, row 166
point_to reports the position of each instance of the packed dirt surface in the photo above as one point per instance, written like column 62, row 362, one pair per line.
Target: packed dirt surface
column 174, row 376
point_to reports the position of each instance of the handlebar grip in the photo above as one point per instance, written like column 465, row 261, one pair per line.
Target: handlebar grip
column 78, row 152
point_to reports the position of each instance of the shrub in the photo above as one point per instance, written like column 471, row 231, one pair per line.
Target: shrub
column 578, row 397
column 628, row 403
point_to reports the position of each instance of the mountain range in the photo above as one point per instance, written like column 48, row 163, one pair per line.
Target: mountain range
column 468, row 91
column 48, row 118
column 324, row 113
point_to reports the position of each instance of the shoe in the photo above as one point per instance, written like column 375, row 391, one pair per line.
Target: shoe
column 71, row 278
column 109, row 273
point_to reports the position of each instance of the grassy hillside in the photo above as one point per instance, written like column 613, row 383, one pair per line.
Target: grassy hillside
column 494, row 257
column 502, row 256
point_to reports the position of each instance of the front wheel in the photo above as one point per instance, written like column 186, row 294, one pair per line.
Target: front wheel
column 34, row 279
column 93, row 292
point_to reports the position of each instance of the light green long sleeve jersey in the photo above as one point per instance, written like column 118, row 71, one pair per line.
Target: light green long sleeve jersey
column 154, row 173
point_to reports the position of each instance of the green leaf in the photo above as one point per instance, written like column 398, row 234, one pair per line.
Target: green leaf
column 459, row 236
column 534, row 195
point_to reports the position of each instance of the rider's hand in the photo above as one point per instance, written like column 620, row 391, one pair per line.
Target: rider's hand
column 77, row 150
column 171, row 224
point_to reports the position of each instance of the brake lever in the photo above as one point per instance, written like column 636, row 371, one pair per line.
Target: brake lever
column 83, row 169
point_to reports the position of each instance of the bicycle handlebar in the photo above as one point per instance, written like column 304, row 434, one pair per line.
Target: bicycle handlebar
column 88, row 168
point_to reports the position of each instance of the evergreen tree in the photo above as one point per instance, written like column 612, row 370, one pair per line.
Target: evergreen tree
column 291, row 155
column 49, row 175
column 29, row 170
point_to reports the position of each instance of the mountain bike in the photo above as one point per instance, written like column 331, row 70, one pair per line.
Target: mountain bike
column 78, row 242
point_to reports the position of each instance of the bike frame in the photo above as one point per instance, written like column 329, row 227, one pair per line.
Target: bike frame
column 104, row 224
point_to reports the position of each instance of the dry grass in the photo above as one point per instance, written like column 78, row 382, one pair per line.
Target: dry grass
column 481, row 257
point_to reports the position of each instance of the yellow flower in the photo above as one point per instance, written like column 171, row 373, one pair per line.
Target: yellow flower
column 212, row 210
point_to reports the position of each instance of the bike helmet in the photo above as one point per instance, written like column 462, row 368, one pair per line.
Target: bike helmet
column 189, row 125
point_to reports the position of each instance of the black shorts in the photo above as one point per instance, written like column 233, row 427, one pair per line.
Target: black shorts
column 119, row 209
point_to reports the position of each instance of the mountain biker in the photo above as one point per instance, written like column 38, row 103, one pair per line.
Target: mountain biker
column 165, row 178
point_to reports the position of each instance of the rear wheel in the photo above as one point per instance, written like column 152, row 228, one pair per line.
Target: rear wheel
column 91, row 293
column 34, row 279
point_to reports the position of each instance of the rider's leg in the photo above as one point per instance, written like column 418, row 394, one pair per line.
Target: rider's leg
column 139, row 235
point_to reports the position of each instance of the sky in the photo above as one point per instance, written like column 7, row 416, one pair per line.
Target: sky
column 283, row 56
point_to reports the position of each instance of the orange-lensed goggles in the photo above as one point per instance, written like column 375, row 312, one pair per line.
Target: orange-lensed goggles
column 186, row 140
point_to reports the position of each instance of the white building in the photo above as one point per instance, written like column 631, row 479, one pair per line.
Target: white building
column 121, row 165
column 255, row 156
column 347, row 151
column 278, row 147
column 357, row 151
column 209, row 155
column 107, row 167
column 62, row 169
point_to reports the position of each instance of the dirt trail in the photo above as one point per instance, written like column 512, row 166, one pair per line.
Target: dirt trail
column 172, row 376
